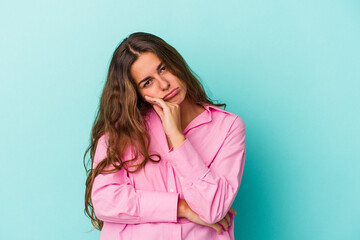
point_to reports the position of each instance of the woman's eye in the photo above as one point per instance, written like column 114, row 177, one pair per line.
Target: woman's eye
column 147, row 83
column 163, row 68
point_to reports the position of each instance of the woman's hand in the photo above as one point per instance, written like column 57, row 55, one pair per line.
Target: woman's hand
column 169, row 114
column 226, row 221
column 185, row 211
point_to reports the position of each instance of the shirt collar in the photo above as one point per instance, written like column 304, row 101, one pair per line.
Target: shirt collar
column 204, row 117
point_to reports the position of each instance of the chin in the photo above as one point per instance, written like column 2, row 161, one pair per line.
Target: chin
column 180, row 101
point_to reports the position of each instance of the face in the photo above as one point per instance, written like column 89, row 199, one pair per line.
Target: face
column 154, row 79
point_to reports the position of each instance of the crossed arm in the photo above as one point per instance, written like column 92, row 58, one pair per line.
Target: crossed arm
column 208, row 192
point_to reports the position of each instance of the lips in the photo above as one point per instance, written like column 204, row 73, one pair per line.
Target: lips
column 171, row 94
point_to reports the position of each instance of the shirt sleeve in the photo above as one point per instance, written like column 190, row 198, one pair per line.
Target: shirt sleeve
column 210, row 191
column 116, row 200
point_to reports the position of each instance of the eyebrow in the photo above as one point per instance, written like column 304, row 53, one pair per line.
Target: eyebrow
column 157, row 69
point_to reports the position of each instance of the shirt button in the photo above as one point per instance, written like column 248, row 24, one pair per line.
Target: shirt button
column 181, row 178
column 171, row 190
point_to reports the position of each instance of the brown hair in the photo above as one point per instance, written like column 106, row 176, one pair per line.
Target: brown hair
column 121, row 111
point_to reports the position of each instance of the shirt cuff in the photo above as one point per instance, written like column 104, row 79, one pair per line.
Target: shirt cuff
column 158, row 206
column 187, row 162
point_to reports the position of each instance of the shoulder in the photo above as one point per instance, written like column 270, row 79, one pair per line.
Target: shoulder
column 103, row 140
column 225, row 117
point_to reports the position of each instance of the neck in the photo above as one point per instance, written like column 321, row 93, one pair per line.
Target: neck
column 188, row 111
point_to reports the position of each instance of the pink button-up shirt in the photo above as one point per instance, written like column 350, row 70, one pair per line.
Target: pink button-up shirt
column 205, row 170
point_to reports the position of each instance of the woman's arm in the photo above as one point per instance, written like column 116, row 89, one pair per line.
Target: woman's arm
column 211, row 191
column 185, row 211
column 116, row 200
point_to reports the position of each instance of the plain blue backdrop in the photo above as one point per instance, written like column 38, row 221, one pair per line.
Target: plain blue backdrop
column 290, row 69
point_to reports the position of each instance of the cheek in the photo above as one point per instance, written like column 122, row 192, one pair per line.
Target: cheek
column 170, row 77
column 150, row 91
column 142, row 93
column 183, row 86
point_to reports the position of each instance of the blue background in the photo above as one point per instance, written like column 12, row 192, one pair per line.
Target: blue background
column 290, row 69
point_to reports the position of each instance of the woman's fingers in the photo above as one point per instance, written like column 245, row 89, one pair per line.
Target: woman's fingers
column 157, row 101
column 217, row 227
column 159, row 111
column 169, row 114
column 159, row 106
column 227, row 218
column 232, row 211
column 223, row 222
column 194, row 217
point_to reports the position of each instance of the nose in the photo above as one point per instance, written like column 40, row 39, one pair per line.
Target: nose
column 163, row 83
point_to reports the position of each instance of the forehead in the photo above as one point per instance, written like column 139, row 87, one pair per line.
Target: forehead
column 144, row 66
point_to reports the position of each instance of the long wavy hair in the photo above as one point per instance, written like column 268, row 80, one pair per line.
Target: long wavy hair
column 121, row 111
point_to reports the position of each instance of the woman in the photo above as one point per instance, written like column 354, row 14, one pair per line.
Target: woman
column 166, row 161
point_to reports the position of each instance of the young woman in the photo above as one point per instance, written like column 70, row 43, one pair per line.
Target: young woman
column 166, row 162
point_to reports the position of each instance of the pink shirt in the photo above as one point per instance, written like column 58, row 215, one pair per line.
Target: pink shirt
column 205, row 170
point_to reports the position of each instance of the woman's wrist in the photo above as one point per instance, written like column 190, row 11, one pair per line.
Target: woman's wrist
column 182, row 208
column 177, row 139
